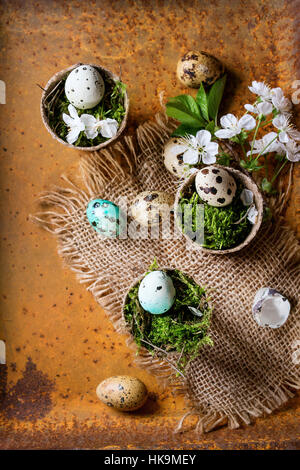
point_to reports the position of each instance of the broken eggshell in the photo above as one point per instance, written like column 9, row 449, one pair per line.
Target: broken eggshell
column 270, row 308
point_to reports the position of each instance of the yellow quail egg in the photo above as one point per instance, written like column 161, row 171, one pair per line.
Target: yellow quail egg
column 215, row 186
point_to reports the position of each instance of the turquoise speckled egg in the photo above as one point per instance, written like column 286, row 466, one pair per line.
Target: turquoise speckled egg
column 104, row 216
column 157, row 292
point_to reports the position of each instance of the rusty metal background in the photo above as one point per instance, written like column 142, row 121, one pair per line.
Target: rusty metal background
column 59, row 343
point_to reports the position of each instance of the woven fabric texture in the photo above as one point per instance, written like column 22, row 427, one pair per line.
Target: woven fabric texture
column 250, row 370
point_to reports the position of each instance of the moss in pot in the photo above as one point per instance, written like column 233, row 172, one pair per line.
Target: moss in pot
column 178, row 333
column 95, row 112
column 227, row 222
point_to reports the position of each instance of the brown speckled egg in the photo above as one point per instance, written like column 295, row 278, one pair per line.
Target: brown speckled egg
column 215, row 186
column 173, row 157
column 152, row 207
column 122, row 392
column 197, row 67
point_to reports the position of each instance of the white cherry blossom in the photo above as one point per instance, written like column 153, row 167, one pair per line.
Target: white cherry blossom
column 252, row 214
column 280, row 102
column 262, row 90
column 268, row 143
column 233, row 126
column 107, row 127
column 264, row 108
column 199, row 148
column 286, row 130
column 74, row 124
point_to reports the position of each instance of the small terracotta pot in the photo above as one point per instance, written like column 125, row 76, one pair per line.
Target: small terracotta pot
column 51, row 85
column 248, row 183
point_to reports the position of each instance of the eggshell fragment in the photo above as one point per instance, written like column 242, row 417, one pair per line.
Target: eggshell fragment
column 156, row 292
column 123, row 392
column 215, row 186
column 152, row 207
column 84, row 87
column 270, row 308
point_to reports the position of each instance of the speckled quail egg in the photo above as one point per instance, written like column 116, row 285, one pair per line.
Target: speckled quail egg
column 270, row 308
column 197, row 67
column 105, row 217
column 122, row 392
column 173, row 157
column 156, row 292
column 84, row 87
column 152, row 207
column 215, row 186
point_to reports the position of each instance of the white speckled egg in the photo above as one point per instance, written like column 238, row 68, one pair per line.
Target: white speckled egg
column 84, row 87
column 157, row 292
column 173, row 157
column 123, row 392
column 215, row 186
column 151, row 207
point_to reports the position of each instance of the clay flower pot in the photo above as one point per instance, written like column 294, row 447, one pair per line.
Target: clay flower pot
column 248, row 183
column 54, row 81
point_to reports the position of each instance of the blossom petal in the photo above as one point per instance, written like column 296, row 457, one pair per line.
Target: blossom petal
column 228, row 121
column 73, row 135
column 247, row 122
column 203, row 137
column 225, row 133
column 283, row 137
column 67, row 119
column 72, row 111
column 265, row 108
column 212, row 148
column 108, row 128
column 191, row 157
column 88, row 119
column 250, row 108
column 208, row 158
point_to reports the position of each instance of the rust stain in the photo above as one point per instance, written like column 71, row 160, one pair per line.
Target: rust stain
column 30, row 398
column 44, row 313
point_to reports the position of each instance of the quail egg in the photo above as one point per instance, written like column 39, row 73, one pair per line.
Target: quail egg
column 122, row 392
column 215, row 186
column 105, row 217
column 173, row 157
column 151, row 207
column 156, row 292
column 84, row 87
column 197, row 67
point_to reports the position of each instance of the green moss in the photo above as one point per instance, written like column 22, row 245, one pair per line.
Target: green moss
column 111, row 106
column 221, row 230
column 178, row 330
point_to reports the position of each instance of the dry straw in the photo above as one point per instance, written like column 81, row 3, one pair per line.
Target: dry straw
column 51, row 88
column 250, row 371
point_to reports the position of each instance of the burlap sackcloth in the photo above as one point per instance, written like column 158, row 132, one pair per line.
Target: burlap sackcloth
column 250, row 370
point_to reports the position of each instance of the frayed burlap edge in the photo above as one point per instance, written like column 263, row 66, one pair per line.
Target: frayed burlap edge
column 71, row 198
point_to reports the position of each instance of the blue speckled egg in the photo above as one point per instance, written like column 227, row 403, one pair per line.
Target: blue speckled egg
column 156, row 292
column 104, row 217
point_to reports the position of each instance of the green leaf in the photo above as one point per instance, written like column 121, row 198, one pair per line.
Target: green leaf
column 202, row 101
column 266, row 186
column 183, row 129
column 215, row 96
column 185, row 109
